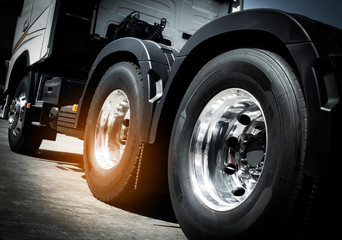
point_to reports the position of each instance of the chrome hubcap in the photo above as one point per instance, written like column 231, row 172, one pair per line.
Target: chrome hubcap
column 227, row 149
column 112, row 129
column 16, row 114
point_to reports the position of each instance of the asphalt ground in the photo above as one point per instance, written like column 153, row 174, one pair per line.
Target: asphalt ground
column 47, row 197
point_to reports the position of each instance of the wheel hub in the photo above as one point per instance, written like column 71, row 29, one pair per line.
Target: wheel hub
column 112, row 130
column 16, row 113
column 227, row 149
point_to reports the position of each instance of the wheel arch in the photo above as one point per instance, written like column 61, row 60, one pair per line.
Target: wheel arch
column 95, row 78
column 200, row 50
column 17, row 72
column 152, row 59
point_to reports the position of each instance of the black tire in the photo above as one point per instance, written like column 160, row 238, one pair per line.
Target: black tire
column 23, row 137
column 259, row 207
column 114, row 183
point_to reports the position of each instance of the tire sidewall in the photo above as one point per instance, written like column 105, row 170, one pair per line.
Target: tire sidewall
column 121, row 76
column 273, row 191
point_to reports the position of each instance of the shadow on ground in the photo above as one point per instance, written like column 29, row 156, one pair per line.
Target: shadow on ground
column 161, row 210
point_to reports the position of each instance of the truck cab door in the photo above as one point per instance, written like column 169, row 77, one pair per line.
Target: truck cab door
column 31, row 17
column 23, row 22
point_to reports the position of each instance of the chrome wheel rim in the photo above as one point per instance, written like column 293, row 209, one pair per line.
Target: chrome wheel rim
column 16, row 114
column 112, row 129
column 228, row 149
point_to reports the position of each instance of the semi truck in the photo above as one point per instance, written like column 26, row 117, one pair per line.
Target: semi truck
column 230, row 109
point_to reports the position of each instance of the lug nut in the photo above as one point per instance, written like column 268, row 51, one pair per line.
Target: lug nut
column 230, row 169
column 259, row 125
column 238, row 192
column 232, row 142
column 125, row 122
column 244, row 119
column 123, row 141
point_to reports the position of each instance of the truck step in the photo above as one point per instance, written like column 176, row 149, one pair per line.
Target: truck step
column 66, row 122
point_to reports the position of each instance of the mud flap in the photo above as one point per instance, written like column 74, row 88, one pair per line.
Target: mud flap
column 152, row 171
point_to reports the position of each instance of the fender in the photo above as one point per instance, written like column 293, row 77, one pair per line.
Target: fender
column 306, row 44
column 16, row 70
column 154, row 61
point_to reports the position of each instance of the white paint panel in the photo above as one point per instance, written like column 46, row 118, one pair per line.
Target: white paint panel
column 182, row 16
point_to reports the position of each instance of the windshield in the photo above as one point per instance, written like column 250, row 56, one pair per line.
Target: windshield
column 327, row 11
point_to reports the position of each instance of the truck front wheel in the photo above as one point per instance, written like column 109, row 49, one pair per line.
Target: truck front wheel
column 237, row 147
column 112, row 145
column 23, row 137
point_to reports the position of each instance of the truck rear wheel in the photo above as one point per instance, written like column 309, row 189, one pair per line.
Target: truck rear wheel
column 237, row 147
column 23, row 137
column 112, row 145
